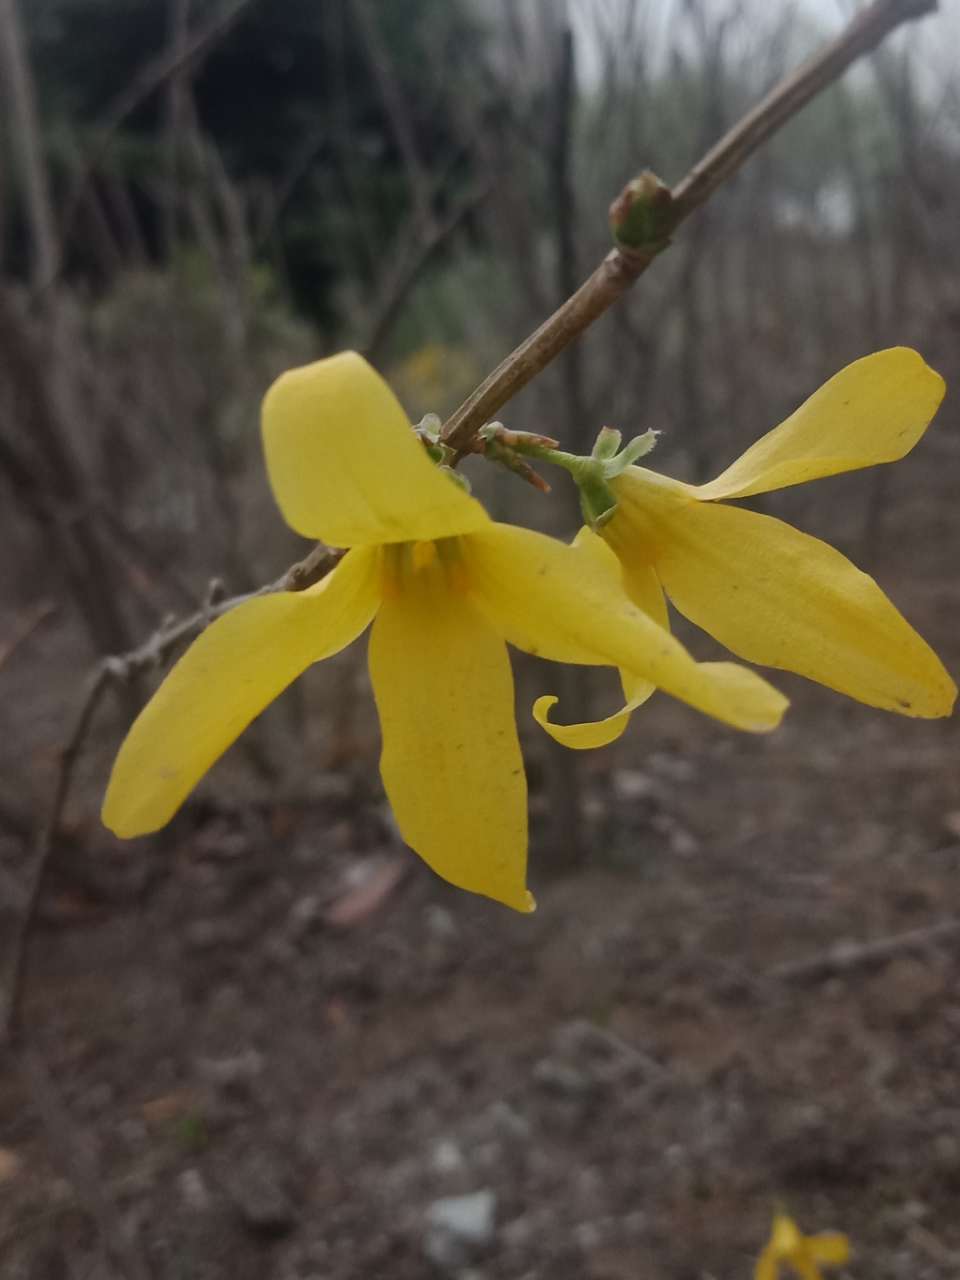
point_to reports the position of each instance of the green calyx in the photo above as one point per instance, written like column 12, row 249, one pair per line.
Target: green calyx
column 592, row 474
column 606, row 462
column 427, row 431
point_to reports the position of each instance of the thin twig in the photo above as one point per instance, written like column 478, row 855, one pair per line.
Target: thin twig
column 154, row 651
column 117, row 670
column 25, row 629
column 621, row 269
column 97, row 686
column 845, row 956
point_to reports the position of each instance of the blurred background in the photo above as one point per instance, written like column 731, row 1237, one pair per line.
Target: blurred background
column 277, row 1045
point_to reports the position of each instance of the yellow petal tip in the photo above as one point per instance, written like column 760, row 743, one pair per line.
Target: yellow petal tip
column 580, row 737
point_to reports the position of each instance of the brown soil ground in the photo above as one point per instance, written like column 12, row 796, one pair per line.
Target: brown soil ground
column 244, row 1087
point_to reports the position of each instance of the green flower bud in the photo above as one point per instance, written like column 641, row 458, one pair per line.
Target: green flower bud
column 641, row 216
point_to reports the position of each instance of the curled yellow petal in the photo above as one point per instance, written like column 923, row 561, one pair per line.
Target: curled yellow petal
column 643, row 588
column 451, row 760
column 546, row 598
column 875, row 410
column 224, row 680
column 779, row 597
column 345, row 465
column 588, row 734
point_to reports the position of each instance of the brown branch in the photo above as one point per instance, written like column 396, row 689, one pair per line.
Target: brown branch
column 158, row 648
column 622, row 268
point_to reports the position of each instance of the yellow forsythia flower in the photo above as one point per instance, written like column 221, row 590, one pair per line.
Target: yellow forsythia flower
column 771, row 594
column 444, row 586
column 801, row 1254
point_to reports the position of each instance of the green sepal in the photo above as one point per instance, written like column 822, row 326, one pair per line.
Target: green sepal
column 457, row 477
column 427, row 431
column 607, row 443
column 596, row 498
column 638, row 448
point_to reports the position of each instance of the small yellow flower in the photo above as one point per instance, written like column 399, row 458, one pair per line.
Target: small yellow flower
column 802, row 1254
column 444, row 586
column 771, row 594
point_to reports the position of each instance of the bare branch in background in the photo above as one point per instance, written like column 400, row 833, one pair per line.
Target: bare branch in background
column 47, row 479
column 619, row 271
column 178, row 17
column 150, row 77
column 15, row 958
column 565, row 772
column 26, row 131
column 412, row 260
column 398, row 112
column 25, row 629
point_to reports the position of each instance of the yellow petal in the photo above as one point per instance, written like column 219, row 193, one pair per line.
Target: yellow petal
column 586, row 735
column 643, row 588
column 545, row 597
column 875, row 410
column 451, row 760
column 766, row 1268
column 779, row 597
column 345, row 465
column 224, row 680
column 831, row 1247
column 786, row 1239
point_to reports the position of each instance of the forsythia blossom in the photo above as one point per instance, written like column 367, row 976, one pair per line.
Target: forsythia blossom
column 445, row 587
column 771, row 594
column 803, row 1255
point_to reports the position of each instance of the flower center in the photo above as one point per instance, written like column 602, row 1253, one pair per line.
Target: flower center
column 422, row 568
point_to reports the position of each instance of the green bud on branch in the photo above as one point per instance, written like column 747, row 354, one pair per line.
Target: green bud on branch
column 641, row 217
